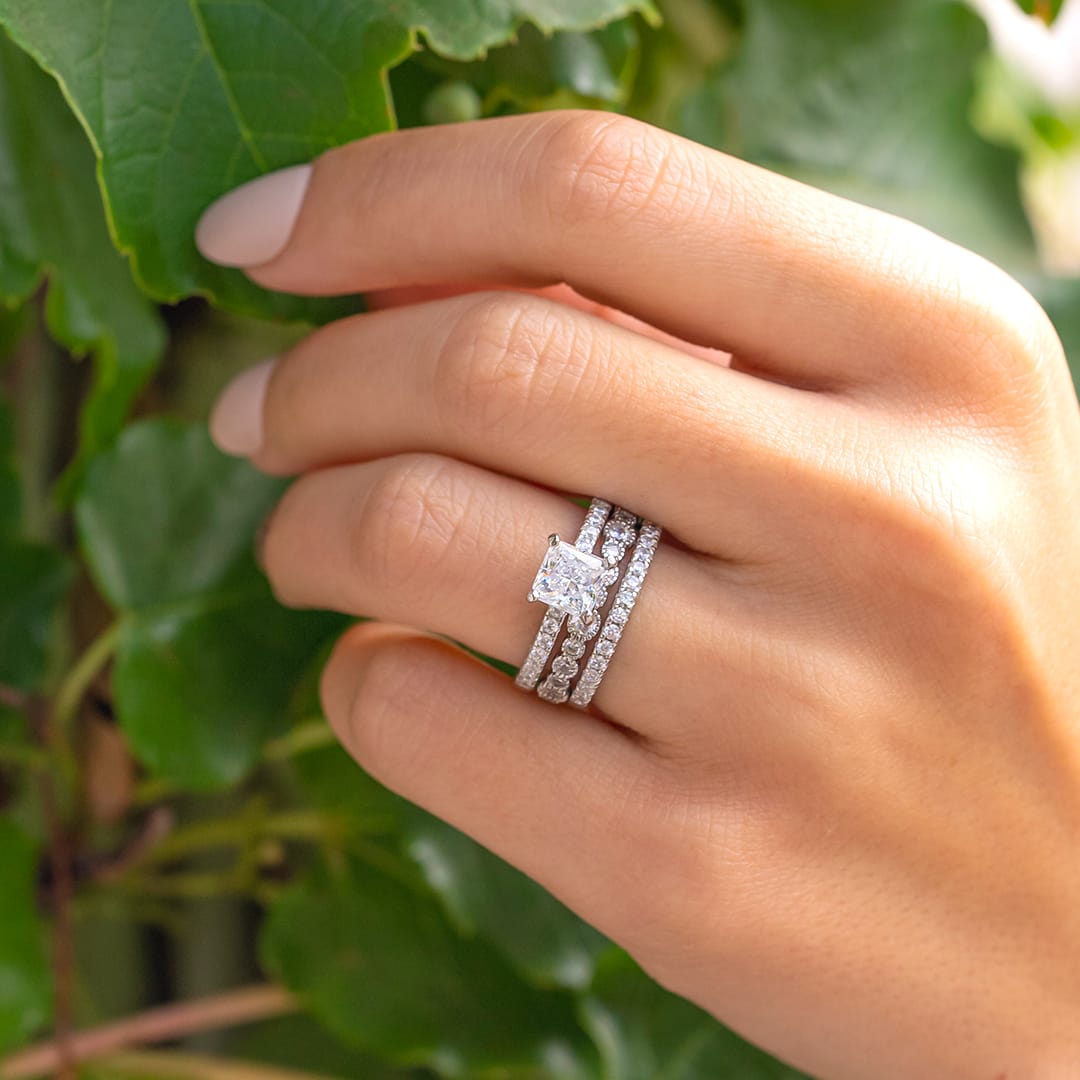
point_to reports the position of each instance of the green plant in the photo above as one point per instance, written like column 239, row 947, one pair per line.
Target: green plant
column 177, row 819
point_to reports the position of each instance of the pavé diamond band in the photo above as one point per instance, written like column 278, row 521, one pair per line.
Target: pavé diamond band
column 575, row 581
column 647, row 539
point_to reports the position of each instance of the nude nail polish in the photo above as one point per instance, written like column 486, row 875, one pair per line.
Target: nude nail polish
column 236, row 423
column 252, row 224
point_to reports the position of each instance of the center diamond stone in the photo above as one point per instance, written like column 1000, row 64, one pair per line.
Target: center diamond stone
column 569, row 580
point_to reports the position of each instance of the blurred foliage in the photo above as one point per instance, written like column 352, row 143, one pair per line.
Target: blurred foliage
column 165, row 777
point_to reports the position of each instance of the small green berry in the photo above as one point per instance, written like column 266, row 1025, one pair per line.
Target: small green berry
column 451, row 102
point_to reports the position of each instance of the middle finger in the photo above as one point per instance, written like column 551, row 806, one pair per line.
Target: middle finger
column 538, row 390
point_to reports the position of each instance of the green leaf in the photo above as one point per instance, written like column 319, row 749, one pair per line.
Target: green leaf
column 201, row 685
column 52, row 224
column 206, row 659
column 377, row 962
column 25, row 982
column 871, row 101
column 485, row 895
column 185, row 99
column 334, row 781
column 482, row 894
column 165, row 515
column 298, row 1042
column 538, row 71
column 10, row 489
column 644, row 1032
column 34, row 580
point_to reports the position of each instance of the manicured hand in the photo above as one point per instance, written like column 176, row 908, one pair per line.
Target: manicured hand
column 830, row 788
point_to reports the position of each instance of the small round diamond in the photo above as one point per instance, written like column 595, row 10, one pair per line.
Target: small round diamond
column 574, row 647
column 605, row 647
column 564, row 666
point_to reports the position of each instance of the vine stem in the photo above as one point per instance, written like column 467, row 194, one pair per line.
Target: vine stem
column 164, row 1024
column 313, row 734
column 82, row 673
column 53, row 721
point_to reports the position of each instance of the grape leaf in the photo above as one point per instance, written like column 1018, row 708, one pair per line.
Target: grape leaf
column 34, row 580
column 871, row 101
column 377, row 962
column 644, row 1032
column 52, row 224
column 185, row 99
column 206, row 659
column 25, row 980
column 484, row 895
column 330, row 779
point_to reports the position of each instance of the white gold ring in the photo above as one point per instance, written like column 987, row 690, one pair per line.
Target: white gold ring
column 576, row 581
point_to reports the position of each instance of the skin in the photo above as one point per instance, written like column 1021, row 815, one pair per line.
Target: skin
column 830, row 787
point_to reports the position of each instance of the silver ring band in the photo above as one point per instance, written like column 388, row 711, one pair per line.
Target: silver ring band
column 529, row 675
column 604, row 648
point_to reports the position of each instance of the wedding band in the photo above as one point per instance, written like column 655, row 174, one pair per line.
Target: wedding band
column 629, row 588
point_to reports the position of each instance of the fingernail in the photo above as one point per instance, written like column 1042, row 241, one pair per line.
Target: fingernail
column 251, row 225
column 236, row 424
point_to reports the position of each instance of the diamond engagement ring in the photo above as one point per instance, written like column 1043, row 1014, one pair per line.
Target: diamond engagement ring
column 575, row 581
column 554, row 588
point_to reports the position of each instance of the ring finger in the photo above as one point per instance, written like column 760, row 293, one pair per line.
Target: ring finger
column 452, row 548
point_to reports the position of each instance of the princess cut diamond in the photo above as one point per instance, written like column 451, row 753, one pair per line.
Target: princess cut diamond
column 569, row 580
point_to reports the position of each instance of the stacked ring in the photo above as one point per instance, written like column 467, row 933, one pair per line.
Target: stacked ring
column 575, row 582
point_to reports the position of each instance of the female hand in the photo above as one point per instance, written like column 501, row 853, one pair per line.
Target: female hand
column 830, row 790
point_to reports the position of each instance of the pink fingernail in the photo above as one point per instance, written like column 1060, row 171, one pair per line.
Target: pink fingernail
column 252, row 225
column 236, row 424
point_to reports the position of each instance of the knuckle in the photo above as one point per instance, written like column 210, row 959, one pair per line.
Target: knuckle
column 1003, row 345
column 604, row 167
column 506, row 355
column 405, row 522
column 930, row 539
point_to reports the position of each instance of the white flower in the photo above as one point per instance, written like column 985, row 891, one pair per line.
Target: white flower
column 1047, row 56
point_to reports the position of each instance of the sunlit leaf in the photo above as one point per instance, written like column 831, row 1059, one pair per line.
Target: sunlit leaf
column 185, row 99
column 52, row 224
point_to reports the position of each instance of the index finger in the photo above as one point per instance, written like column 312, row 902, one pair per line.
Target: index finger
column 808, row 287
